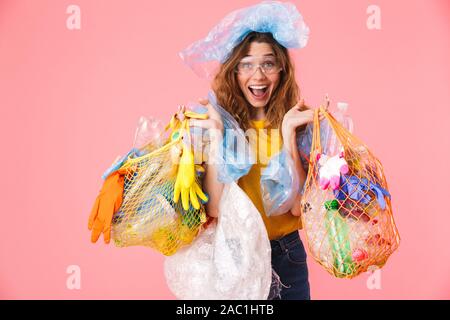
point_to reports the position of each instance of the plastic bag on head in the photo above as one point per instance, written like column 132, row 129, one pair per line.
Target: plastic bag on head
column 281, row 19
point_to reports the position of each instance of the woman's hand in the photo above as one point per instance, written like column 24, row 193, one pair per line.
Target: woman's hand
column 214, row 121
column 295, row 118
column 296, row 208
column 214, row 129
column 211, row 184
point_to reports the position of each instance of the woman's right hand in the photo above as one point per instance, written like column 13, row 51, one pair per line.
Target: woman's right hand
column 211, row 184
column 214, row 121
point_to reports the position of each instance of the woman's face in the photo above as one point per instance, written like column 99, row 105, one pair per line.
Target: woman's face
column 256, row 85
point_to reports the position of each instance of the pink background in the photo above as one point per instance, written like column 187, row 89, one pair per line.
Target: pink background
column 70, row 101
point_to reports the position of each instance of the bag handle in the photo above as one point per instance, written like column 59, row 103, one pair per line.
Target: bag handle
column 316, row 146
column 338, row 129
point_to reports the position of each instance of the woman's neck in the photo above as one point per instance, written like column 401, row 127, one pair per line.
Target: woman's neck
column 259, row 114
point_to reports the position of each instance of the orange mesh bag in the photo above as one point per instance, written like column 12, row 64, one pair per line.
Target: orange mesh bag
column 346, row 205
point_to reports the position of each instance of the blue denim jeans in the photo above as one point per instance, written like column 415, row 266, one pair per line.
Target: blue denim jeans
column 289, row 262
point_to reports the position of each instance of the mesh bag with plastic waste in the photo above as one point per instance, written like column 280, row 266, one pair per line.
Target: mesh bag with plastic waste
column 346, row 205
column 163, row 204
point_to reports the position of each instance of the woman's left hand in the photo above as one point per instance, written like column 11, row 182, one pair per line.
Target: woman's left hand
column 295, row 117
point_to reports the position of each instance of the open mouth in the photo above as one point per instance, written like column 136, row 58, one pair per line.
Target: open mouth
column 258, row 92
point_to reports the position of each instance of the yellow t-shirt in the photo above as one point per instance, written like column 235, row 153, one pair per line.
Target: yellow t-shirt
column 262, row 142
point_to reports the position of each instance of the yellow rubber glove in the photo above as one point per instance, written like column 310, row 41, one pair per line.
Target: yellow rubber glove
column 185, row 183
column 195, row 115
column 175, row 122
column 106, row 204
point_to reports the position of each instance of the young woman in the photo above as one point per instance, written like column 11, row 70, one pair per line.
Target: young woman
column 257, row 86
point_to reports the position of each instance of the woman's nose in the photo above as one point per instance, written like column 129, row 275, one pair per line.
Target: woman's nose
column 259, row 73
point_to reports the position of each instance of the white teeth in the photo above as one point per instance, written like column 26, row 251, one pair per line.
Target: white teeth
column 258, row 87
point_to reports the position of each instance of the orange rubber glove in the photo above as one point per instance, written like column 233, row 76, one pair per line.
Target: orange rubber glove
column 107, row 203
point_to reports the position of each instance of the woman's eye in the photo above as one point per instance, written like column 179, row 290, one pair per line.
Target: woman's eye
column 268, row 64
column 247, row 65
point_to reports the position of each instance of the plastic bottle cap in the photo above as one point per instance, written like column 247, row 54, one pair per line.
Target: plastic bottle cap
column 343, row 106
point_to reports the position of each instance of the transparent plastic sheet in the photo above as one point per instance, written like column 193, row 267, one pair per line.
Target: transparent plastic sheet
column 235, row 158
column 230, row 259
column 279, row 180
column 275, row 287
column 149, row 136
column 279, row 184
column 283, row 20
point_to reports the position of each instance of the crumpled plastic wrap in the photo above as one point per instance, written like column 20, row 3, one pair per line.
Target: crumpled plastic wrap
column 304, row 142
column 282, row 19
column 279, row 180
column 279, row 184
column 149, row 136
column 230, row 259
column 235, row 158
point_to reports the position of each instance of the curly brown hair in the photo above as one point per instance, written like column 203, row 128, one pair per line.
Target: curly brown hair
column 230, row 96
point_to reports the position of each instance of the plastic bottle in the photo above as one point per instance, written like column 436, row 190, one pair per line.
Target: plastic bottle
column 341, row 116
column 338, row 238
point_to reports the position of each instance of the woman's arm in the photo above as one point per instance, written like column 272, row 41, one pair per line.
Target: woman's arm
column 291, row 147
column 211, row 183
column 294, row 118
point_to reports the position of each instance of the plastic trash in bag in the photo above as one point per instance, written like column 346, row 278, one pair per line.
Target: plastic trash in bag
column 346, row 206
column 328, row 140
column 162, row 203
